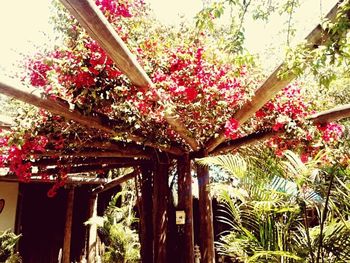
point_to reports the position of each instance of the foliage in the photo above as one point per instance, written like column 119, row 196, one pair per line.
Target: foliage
column 331, row 57
column 266, row 209
column 116, row 230
column 8, row 240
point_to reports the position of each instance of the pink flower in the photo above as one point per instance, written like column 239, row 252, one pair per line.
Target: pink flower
column 231, row 128
column 278, row 126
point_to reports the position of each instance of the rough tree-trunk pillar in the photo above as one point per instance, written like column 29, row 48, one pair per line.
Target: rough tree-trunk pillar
column 68, row 226
column 146, row 224
column 186, row 204
column 205, row 217
column 160, row 213
column 92, row 239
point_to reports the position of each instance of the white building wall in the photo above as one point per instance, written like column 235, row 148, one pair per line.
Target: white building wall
column 8, row 192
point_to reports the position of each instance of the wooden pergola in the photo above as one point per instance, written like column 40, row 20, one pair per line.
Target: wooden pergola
column 151, row 159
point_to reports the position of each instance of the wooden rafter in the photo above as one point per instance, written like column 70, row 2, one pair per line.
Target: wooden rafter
column 116, row 181
column 91, row 153
column 44, row 162
column 273, row 83
column 335, row 114
column 72, row 179
column 98, row 27
column 84, row 169
column 62, row 109
column 6, row 127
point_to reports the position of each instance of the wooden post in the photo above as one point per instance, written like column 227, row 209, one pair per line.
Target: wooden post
column 160, row 213
column 91, row 244
column 146, row 224
column 68, row 226
column 205, row 216
column 186, row 203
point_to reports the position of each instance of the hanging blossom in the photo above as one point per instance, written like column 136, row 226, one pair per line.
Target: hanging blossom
column 331, row 132
column 231, row 128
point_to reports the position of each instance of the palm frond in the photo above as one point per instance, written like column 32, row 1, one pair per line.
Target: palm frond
column 233, row 164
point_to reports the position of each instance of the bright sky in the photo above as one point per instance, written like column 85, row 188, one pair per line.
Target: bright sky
column 23, row 22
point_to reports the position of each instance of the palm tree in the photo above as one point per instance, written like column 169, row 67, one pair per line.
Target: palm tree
column 266, row 208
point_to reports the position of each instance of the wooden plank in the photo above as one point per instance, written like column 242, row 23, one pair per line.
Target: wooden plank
column 252, row 138
column 160, row 213
column 94, row 153
column 92, row 230
column 146, row 212
column 6, row 127
column 81, row 169
column 273, row 84
column 62, row 109
column 44, row 162
column 115, row 182
column 29, row 96
column 205, row 216
column 74, row 180
column 186, row 204
column 98, row 27
column 68, row 226
column 334, row 114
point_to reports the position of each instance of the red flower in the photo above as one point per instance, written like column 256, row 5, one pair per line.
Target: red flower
column 278, row 126
column 231, row 128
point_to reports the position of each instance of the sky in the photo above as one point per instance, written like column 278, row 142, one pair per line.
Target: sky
column 24, row 24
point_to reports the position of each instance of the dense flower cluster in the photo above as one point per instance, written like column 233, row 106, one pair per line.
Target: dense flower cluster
column 201, row 89
column 119, row 8
column 331, row 132
column 38, row 72
column 18, row 154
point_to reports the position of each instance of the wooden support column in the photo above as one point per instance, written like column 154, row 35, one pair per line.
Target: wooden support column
column 186, row 204
column 146, row 224
column 160, row 210
column 92, row 239
column 205, row 216
column 68, row 226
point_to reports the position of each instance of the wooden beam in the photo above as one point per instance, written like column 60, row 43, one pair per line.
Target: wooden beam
column 273, row 84
column 68, row 226
column 44, row 162
column 6, row 127
column 92, row 228
column 146, row 212
column 334, row 114
column 62, row 109
column 92, row 154
column 243, row 141
column 82, row 169
column 205, row 216
column 116, row 181
column 186, row 204
column 160, row 210
column 35, row 178
column 29, row 96
column 98, row 27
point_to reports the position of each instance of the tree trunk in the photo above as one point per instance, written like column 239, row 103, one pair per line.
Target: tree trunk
column 205, row 217
column 68, row 226
column 91, row 245
column 146, row 224
column 160, row 213
column 186, row 204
